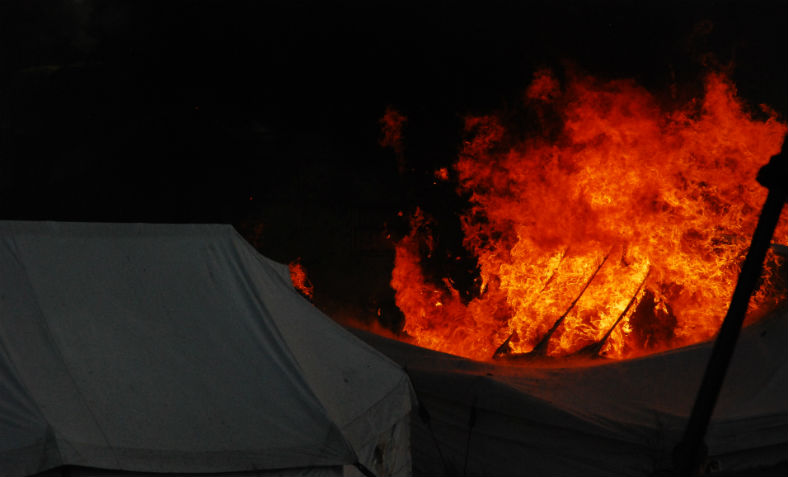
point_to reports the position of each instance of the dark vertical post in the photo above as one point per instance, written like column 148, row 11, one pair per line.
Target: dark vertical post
column 688, row 456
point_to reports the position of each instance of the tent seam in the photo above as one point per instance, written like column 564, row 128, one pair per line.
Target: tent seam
column 333, row 419
column 249, row 285
column 56, row 347
column 15, row 370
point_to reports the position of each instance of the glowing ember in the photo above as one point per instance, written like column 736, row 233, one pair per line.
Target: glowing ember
column 638, row 213
column 300, row 280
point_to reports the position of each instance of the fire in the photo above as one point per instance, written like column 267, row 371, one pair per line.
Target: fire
column 392, row 124
column 442, row 174
column 620, row 224
column 300, row 280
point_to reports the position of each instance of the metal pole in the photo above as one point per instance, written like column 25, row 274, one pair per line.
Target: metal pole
column 688, row 457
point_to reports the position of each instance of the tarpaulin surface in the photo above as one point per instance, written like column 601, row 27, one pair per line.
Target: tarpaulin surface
column 596, row 418
column 178, row 348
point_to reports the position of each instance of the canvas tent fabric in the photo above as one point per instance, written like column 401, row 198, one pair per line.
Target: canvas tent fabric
column 616, row 418
column 180, row 349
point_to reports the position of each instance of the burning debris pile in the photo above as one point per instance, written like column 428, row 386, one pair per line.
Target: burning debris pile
column 619, row 228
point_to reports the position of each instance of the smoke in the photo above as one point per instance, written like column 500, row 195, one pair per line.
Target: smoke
column 391, row 125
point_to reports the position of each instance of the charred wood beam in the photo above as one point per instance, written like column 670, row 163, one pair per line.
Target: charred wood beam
column 688, row 455
column 555, row 271
column 595, row 348
column 540, row 349
column 504, row 349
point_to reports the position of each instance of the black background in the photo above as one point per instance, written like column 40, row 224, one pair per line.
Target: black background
column 266, row 115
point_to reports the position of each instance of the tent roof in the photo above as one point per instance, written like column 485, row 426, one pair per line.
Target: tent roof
column 603, row 418
column 166, row 348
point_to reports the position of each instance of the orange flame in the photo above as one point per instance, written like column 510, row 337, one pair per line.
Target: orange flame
column 661, row 201
column 543, row 87
column 300, row 280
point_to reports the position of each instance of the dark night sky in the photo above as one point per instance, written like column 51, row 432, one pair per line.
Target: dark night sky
column 183, row 111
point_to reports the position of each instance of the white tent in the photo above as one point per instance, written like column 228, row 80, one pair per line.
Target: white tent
column 608, row 418
column 180, row 349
